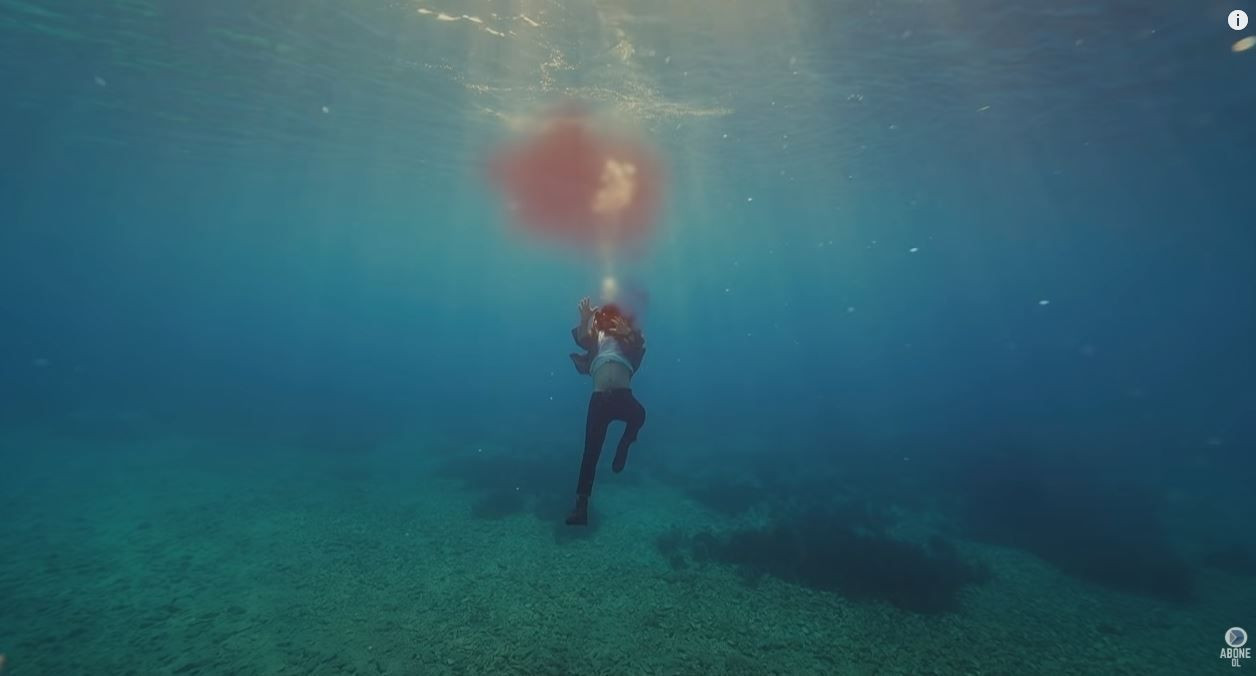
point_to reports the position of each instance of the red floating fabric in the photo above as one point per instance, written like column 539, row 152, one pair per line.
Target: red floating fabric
column 575, row 182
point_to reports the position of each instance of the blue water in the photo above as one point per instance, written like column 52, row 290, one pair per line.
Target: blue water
column 915, row 250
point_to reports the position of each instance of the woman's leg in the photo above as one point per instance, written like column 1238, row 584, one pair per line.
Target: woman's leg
column 594, row 434
column 632, row 413
column 598, row 418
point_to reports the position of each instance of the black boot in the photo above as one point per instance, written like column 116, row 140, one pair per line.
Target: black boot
column 580, row 514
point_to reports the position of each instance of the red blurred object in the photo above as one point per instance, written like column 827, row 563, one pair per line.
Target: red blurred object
column 573, row 181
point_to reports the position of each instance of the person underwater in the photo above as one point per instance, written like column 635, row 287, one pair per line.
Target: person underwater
column 614, row 348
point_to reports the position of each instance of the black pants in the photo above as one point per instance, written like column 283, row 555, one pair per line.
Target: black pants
column 603, row 408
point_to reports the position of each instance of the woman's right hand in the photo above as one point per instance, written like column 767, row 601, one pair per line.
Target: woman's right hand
column 586, row 309
column 620, row 328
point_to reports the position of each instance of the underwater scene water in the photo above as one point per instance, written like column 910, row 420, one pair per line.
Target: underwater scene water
column 950, row 311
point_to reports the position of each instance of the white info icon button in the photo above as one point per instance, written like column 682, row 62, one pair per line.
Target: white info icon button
column 1238, row 20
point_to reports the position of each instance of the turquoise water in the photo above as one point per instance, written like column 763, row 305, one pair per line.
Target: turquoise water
column 950, row 321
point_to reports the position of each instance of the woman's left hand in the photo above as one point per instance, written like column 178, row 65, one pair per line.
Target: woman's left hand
column 620, row 327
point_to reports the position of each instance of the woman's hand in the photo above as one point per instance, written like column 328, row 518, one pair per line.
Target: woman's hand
column 620, row 327
column 585, row 308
